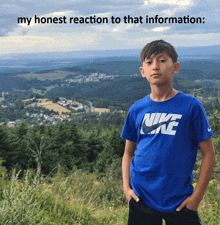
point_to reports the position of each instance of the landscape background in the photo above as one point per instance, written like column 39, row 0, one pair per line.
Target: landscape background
column 60, row 125
column 107, row 75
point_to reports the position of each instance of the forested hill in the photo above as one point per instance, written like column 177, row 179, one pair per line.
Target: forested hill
column 191, row 68
column 111, row 66
column 112, row 78
column 125, row 72
column 121, row 90
column 126, row 90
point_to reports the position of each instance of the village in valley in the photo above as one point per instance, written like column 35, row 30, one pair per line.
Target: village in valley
column 46, row 111
column 99, row 97
column 92, row 77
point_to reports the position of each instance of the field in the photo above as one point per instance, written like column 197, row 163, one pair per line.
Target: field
column 101, row 110
column 53, row 106
column 49, row 105
column 50, row 75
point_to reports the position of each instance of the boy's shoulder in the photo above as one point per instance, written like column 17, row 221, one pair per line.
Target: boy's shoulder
column 179, row 96
column 191, row 99
column 140, row 103
column 180, row 100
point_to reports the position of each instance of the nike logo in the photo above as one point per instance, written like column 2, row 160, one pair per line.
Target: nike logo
column 209, row 129
column 153, row 123
column 148, row 129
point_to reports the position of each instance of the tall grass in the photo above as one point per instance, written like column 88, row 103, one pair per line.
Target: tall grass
column 18, row 201
column 78, row 197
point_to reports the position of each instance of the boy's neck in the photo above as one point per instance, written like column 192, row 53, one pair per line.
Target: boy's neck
column 160, row 94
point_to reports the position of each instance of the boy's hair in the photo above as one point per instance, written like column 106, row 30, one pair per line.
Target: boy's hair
column 156, row 47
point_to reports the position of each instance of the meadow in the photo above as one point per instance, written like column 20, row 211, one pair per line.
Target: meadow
column 78, row 197
column 101, row 110
column 51, row 75
column 53, row 106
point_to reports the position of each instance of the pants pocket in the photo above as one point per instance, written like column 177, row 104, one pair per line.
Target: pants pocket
column 189, row 210
column 131, row 201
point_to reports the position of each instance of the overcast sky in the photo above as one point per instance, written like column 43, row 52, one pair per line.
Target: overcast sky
column 23, row 38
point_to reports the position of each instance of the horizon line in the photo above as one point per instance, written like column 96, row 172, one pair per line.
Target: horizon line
column 102, row 50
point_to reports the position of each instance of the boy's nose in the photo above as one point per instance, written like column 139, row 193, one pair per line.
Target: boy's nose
column 155, row 65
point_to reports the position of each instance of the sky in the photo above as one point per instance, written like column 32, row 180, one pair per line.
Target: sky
column 61, row 35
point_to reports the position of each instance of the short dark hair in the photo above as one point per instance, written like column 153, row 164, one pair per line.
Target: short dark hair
column 156, row 47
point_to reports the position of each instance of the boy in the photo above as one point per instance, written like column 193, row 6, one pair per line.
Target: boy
column 162, row 133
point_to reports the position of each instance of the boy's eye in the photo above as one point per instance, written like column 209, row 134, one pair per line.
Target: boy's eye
column 162, row 60
column 148, row 62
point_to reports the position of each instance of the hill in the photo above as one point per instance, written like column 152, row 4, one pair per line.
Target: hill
column 113, row 78
column 124, row 90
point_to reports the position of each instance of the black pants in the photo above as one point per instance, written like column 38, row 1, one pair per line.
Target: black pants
column 140, row 214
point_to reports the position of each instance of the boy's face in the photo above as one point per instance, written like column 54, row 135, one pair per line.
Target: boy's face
column 159, row 69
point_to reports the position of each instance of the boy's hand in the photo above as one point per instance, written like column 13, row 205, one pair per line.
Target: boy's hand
column 190, row 203
column 129, row 194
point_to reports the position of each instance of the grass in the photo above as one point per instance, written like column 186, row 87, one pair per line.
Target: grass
column 83, row 198
column 36, row 91
column 54, row 75
column 79, row 198
column 101, row 110
column 53, row 106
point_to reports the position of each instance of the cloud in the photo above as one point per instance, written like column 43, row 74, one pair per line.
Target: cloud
column 169, row 2
column 11, row 9
column 64, row 42
column 160, row 29
column 179, row 40
column 65, row 36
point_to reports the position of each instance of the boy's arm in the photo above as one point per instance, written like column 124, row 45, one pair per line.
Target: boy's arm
column 128, row 155
column 206, row 168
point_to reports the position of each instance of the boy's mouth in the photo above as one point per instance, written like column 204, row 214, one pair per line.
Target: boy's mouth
column 155, row 74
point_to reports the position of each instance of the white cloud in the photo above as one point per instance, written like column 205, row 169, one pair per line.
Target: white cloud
column 125, row 27
column 178, row 2
column 23, row 44
column 94, row 41
column 160, row 29
column 169, row 12
column 64, row 13
column 158, row 1
column 61, row 42
column 185, row 40
column 171, row 2
column 10, row 9
column 185, row 2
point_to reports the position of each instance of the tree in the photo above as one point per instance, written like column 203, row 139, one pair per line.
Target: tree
column 116, row 143
column 95, row 146
column 5, row 152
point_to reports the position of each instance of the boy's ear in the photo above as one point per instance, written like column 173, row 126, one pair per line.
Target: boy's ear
column 142, row 71
column 176, row 68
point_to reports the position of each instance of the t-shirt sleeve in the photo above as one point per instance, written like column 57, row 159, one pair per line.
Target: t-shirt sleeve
column 129, row 131
column 201, row 127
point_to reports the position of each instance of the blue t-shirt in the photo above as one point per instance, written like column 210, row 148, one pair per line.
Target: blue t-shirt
column 167, row 135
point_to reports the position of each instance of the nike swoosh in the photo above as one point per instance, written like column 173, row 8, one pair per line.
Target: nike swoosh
column 148, row 129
